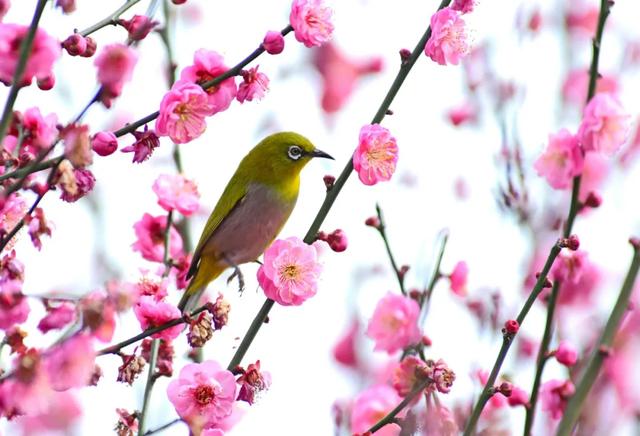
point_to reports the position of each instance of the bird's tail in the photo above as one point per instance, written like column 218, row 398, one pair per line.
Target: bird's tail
column 208, row 270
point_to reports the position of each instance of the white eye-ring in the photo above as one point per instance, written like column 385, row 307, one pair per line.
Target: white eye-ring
column 294, row 152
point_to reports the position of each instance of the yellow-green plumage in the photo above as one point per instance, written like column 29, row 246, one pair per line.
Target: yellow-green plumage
column 253, row 208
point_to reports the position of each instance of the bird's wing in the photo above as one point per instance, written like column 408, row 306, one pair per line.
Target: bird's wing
column 231, row 198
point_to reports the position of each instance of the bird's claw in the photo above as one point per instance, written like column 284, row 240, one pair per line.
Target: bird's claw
column 237, row 273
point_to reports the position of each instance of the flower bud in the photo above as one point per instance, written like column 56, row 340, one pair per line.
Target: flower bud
column 511, row 327
column 46, row 83
column 138, row 27
column 328, row 181
column 75, row 44
column 273, row 42
column 405, row 54
column 92, row 46
column 337, row 241
column 566, row 354
column 178, row 2
column 505, row 389
column 104, row 143
column 593, row 200
column 373, row 221
column 572, row 242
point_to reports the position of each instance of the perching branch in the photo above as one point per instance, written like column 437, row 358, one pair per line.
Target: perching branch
column 383, row 233
column 112, row 19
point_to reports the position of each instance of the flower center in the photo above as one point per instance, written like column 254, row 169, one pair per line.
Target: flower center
column 289, row 272
column 204, row 394
column 182, row 110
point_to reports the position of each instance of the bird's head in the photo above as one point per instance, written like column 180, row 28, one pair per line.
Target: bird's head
column 285, row 153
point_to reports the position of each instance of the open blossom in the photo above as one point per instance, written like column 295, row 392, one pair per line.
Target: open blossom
column 373, row 404
column 408, row 373
column 458, row 278
column 150, row 231
column 41, row 131
column 182, row 112
column 152, row 313
column 554, row 396
column 561, row 161
column 203, row 395
column 57, row 317
column 576, row 84
column 376, row 156
column 14, row 308
column 311, row 22
column 340, row 74
column 253, row 86
column 595, row 170
column 138, row 26
column 12, row 211
column 115, row 65
column 148, row 285
column 98, row 315
column 290, row 272
column 176, row 192
column 394, row 324
column 75, row 183
column 71, row 363
column 44, row 52
column 146, row 142
column 462, row 114
column 604, row 126
column 207, row 65
column 449, row 41
column 252, row 382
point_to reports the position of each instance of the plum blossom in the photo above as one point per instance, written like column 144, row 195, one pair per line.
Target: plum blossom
column 176, row 192
column 344, row 351
column 561, row 161
column 254, row 85
column 376, row 156
column 408, row 373
column 71, row 364
column 146, row 142
column 44, row 52
column 152, row 313
column 290, row 272
column 207, row 65
column 14, row 308
column 566, row 354
column 394, row 324
column 252, row 382
column 203, row 395
column 273, row 42
column 138, row 26
column 458, row 278
column 12, row 211
column 311, row 22
column 150, row 231
column 183, row 111
column 83, row 182
column 98, row 315
column 57, row 317
column 605, row 125
column 554, row 396
column 449, row 41
column 104, row 143
column 77, row 146
column 41, row 130
column 373, row 404
column 463, row 6
column 115, row 65
column 576, row 84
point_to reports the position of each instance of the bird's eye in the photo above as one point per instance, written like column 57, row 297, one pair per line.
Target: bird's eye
column 294, row 152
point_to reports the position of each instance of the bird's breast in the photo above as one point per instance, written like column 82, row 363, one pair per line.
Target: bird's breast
column 251, row 226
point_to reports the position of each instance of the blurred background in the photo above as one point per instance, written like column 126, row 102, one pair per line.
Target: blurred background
column 458, row 172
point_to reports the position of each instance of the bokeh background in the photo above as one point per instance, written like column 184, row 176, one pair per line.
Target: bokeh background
column 449, row 178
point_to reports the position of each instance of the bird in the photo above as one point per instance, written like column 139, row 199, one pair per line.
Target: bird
column 253, row 208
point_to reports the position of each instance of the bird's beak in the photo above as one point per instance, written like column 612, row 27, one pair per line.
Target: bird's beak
column 320, row 153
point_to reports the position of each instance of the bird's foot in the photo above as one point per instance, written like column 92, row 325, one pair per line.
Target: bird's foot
column 236, row 273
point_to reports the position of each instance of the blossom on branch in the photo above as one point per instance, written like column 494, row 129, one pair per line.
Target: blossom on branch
column 311, row 22
column 207, row 65
column 115, row 65
column 176, row 192
column 150, row 231
column 253, row 86
column 376, row 156
column 152, row 313
column 183, row 111
column 394, row 324
column 373, row 404
column 605, row 125
column 449, row 41
column 561, row 161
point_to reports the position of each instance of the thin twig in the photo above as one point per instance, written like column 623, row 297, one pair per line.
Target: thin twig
column 163, row 427
column 383, row 233
column 151, row 379
column 112, row 19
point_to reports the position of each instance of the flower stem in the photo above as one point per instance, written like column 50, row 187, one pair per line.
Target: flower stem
column 163, row 427
column 541, row 359
column 601, row 351
column 332, row 193
column 111, row 19
column 30, row 169
column 25, row 51
column 436, row 274
column 151, row 379
column 383, row 233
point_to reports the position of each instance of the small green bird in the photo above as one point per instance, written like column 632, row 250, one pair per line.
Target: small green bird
column 252, row 210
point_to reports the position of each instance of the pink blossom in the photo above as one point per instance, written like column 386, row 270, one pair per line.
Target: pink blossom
column 57, row 317
column 566, row 354
column 138, row 26
column 290, row 272
column 98, row 315
column 340, row 75
column 518, row 397
column 604, row 126
column 12, row 211
column 104, row 143
column 449, row 41
column 440, row 421
column 311, row 22
column 150, row 231
column 155, row 287
column 14, row 308
column 373, row 404
column 582, row 18
column 67, row 6
column 176, row 192
column 443, row 377
column 203, row 394
column 115, row 65
column 394, row 324
column 71, row 364
column 151, row 313
column 595, row 170
column 462, row 114
column 574, row 88
column 44, row 52
column 182, row 112
column 408, row 373
column 61, row 412
column 561, row 161
column 254, row 85
column 273, row 42
column 41, row 131
column 344, row 351
column 207, row 65
column 252, row 382
column 146, row 142
column 84, row 183
column 376, row 156
column 4, row 7
column 554, row 396
column 75, row 44
column 77, row 146
column 463, row 6
column 458, row 278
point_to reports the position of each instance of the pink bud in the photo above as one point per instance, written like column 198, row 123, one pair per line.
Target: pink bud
column 511, row 326
column 75, row 44
column 505, row 389
column 92, row 46
column 104, row 143
column 426, row 341
column 372, row 222
column 593, row 200
column 572, row 242
column 566, row 354
column 67, row 6
column 337, row 241
column 46, row 83
column 178, row 2
column 405, row 54
column 328, row 181
column 138, row 27
column 273, row 42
